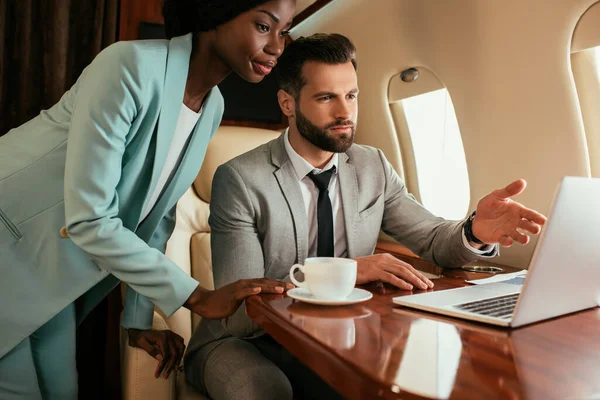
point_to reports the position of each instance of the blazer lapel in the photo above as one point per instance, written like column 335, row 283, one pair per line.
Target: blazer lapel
column 288, row 181
column 188, row 168
column 191, row 162
column 349, row 192
column 178, row 58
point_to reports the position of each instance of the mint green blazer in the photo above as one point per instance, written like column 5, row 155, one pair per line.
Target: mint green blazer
column 91, row 163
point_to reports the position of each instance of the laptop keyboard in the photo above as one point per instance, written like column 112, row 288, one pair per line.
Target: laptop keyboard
column 499, row 307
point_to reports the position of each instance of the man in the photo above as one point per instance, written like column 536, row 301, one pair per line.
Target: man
column 312, row 192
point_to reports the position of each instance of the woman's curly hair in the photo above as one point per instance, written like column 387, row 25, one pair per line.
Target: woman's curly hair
column 185, row 16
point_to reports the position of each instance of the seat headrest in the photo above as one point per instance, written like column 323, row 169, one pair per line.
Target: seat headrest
column 229, row 142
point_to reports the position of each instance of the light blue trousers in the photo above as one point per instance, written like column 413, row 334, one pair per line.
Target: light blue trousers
column 43, row 366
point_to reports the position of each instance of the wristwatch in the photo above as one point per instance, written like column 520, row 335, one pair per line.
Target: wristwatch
column 468, row 227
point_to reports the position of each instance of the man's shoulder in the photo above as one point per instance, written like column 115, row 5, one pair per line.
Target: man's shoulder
column 362, row 150
column 253, row 160
column 364, row 155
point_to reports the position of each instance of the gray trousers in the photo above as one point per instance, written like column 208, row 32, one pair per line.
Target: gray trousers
column 254, row 369
column 43, row 365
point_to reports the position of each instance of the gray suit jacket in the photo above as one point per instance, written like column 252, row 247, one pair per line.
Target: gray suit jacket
column 259, row 226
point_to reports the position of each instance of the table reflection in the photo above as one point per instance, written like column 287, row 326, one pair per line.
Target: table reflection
column 327, row 324
column 430, row 360
column 483, row 357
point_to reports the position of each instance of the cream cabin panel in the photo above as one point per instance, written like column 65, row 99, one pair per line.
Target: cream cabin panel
column 506, row 65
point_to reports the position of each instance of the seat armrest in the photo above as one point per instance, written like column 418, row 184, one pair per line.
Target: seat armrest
column 137, row 371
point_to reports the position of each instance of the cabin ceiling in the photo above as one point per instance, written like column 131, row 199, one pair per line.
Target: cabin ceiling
column 302, row 5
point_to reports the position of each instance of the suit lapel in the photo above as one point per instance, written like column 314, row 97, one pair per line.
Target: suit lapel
column 191, row 161
column 349, row 192
column 290, row 187
column 178, row 58
column 188, row 168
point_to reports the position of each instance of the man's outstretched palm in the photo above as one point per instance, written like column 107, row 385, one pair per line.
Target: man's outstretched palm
column 499, row 219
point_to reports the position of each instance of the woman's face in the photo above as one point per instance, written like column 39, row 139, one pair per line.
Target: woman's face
column 252, row 42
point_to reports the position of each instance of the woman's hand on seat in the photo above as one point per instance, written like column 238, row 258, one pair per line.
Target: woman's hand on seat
column 221, row 303
column 166, row 346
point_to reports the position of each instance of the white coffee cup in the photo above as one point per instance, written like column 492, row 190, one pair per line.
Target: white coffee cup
column 327, row 278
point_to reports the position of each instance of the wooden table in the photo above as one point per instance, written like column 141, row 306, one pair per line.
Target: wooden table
column 379, row 350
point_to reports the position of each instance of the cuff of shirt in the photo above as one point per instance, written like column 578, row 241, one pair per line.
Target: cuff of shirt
column 486, row 251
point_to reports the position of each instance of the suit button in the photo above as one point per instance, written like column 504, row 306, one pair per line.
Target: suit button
column 63, row 232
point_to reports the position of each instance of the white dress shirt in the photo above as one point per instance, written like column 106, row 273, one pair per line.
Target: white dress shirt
column 310, row 195
column 185, row 125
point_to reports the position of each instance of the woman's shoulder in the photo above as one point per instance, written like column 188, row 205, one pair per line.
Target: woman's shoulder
column 136, row 50
column 136, row 59
column 160, row 46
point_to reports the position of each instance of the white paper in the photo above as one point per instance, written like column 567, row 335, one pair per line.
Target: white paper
column 499, row 278
column 429, row 275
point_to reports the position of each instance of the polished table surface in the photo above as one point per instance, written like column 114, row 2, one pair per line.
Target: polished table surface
column 376, row 349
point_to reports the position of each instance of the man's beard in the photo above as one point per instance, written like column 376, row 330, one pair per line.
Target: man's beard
column 322, row 138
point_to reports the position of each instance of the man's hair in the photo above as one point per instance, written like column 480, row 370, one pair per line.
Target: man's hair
column 185, row 16
column 330, row 49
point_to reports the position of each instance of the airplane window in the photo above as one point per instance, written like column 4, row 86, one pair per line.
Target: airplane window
column 585, row 65
column 439, row 157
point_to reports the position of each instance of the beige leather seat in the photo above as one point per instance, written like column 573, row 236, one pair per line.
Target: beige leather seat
column 189, row 247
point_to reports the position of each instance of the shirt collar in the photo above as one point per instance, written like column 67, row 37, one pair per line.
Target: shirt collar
column 303, row 167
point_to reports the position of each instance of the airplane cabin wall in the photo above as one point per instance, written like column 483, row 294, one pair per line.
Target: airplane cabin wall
column 506, row 66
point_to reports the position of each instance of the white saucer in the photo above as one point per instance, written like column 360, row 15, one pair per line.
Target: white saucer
column 356, row 296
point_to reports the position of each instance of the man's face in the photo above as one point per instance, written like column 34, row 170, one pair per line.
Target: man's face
column 327, row 108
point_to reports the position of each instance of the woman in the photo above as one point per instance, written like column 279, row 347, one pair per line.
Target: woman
column 88, row 188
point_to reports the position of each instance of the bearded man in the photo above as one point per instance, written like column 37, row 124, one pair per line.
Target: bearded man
column 313, row 192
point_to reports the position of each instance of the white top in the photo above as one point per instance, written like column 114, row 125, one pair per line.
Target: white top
column 310, row 195
column 185, row 125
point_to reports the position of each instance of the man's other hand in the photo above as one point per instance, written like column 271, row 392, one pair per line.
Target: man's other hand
column 387, row 268
column 165, row 346
column 502, row 220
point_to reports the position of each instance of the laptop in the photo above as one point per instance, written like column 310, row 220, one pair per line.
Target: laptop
column 563, row 276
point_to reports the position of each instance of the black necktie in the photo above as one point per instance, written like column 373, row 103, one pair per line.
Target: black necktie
column 324, row 213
